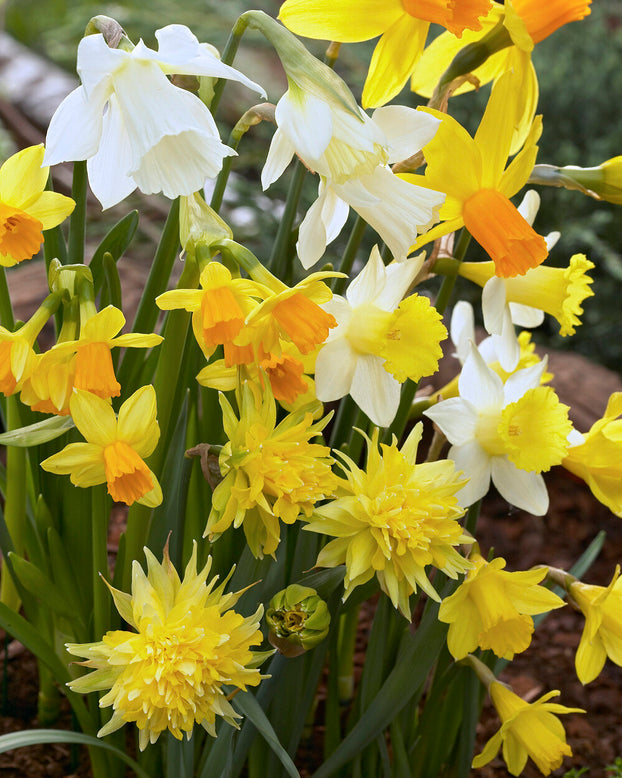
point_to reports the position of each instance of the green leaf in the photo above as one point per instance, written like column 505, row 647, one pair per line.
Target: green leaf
column 246, row 703
column 39, row 585
column 40, row 432
column 115, row 243
column 33, row 737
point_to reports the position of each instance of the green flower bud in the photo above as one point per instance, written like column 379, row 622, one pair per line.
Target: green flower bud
column 603, row 182
column 298, row 619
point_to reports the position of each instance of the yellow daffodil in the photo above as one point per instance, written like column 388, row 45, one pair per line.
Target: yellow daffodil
column 114, row 449
column 478, row 189
column 26, row 209
column 392, row 520
column 527, row 730
column 50, row 385
column 271, row 472
column 492, row 609
column 598, row 461
column 402, row 24
column 602, row 634
column 186, row 645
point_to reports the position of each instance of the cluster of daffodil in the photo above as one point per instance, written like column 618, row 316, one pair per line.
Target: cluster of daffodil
column 229, row 409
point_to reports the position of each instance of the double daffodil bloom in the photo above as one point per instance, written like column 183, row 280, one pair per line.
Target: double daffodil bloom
column 492, row 609
column 602, row 634
column 402, row 24
column 185, row 645
column 115, row 449
column 479, row 187
column 598, row 460
column 26, row 209
column 528, row 729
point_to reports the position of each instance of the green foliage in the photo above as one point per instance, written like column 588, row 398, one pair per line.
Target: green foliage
column 615, row 770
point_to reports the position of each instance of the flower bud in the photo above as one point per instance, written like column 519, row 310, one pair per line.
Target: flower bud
column 298, row 619
column 603, row 182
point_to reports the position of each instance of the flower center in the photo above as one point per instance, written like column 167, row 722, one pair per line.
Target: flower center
column 127, row 475
column 487, row 433
column 20, row 233
column 368, row 329
column 285, row 374
column 95, row 372
column 454, row 15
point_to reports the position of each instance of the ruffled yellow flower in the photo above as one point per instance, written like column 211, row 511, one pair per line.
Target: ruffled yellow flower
column 115, row 449
column 26, row 209
column 492, row 609
column 271, row 471
column 479, row 188
column 392, row 520
column 598, row 461
column 188, row 644
column 527, row 730
column 602, row 634
column 402, row 24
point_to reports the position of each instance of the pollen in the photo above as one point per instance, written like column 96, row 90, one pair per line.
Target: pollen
column 95, row 372
column 21, row 234
column 127, row 475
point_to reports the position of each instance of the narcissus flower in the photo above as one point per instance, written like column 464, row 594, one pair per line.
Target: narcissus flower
column 527, row 730
column 392, row 520
column 26, row 209
column 402, row 24
column 509, row 432
column 602, row 634
column 271, row 472
column 493, row 607
column 380, row 339
column 186, row 649
column 479, row 188
column 598, row 459
column 115, row 449
column 133, row 126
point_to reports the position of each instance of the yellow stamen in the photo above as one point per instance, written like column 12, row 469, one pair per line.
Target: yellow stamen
column 285, row 374
column 20, row 233
column 94, row 371
column 508, row 238
column 543, row 18
column 304, row 322
column 222, row 316
column 7, row 379
column 127, row 475
column 454, row 15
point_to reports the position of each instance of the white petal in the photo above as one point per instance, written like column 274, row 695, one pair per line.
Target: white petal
column 334, row 212
column 334, row 369
column 96, row 62
column 407, row 130
column 493, row 305
column 529, row 206
column 279, row 156
column 518, row 383
column 525, row 315
column 462, row 328
column 341, row 309
column 519, row 487
column 474, row 462
column 551, row 239
column 75, row 130
column 374, row 390
column 369, row 282
column 308, row 124
column 478, row 384
column 400, row 276
column 456, row 418
column 322, row 223
column 507, row 345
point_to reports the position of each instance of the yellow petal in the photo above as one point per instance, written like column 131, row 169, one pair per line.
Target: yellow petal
column 347, row 20
column 137, row 424
column 51, row 208
column 94, row 417
column 22, row 179
column 494, row 134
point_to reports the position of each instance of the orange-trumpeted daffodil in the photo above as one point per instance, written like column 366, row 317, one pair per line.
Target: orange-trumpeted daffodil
column 115, row 448
column 472, row 172
column 26, row 209
column 402, row 24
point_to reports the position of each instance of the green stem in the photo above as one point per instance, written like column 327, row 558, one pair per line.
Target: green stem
column 77, row 223
column 228, row 55
column 442, row 301
column 280, row 254
column 6, row 309
column 398, row 425
column 347, row 260
column 100, row 512
column 348, row 625
column 472, row 516
column 342, row 428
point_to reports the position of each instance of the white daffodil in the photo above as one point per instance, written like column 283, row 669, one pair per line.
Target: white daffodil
column 133, row 126
column 509, row 432
column 351, row 152
column 380, row 339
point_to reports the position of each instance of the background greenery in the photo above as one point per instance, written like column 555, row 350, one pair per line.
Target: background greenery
column 580, row 90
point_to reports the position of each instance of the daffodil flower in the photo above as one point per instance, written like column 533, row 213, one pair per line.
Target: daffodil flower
column 133, row 126
column 115, row 449
column 185, row 649
column 380, row 339
column 509, row 432
column 528, row 729
column 26, row 208
column 402, row 24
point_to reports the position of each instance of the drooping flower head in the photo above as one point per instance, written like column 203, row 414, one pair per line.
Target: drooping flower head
column 392, row 520
column 187, row 644
column 402, row 24
column 380, row 339
column 602, row 634
column 492, row 609
column 133, row 126
column 271, row 471
column 115, row 449
column 26, row 209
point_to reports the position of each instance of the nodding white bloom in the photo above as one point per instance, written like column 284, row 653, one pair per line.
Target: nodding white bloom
column 509, row 432
column 380, row 339
column 351, row 152
column 133, row 126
